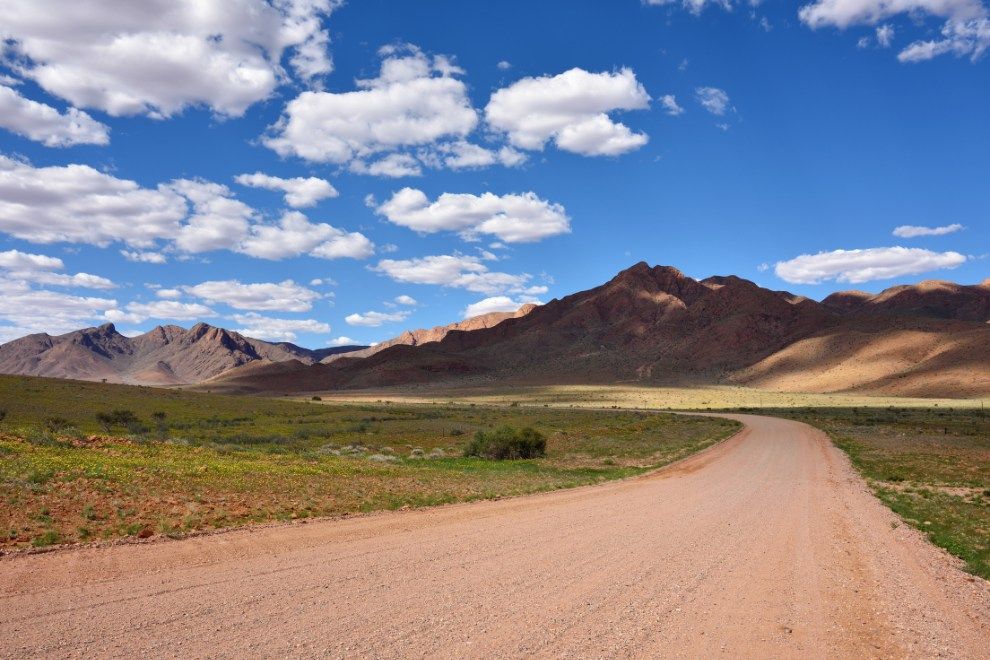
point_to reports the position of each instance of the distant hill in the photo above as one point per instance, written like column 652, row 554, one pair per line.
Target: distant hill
column 419, row 337
column 167, row 355
column 656, row 325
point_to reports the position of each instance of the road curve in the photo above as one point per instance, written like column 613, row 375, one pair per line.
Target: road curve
column 767, row 545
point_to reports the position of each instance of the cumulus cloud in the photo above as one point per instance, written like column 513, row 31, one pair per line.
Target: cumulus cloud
column 913, row 231
column 299, row 192
column 571, row 109
column 670, row 105
column 173, row 310
column 513, row 218
column 713, row 99
column 406, row 300
column 286, row 296
column 342, row 341
column 295, row 235
column 42, row 269
column 147, row 257
column 393, row 166
column 78, row 204
column 415, row 101
column 275, row 329
column 458, row 271
column 864, row 265
column 26, row 310
column 43, row 123
column 465, row 155
column 218, row 221
column 375, row 319
column 966, row 31
column 160, row 56
column 495, row 304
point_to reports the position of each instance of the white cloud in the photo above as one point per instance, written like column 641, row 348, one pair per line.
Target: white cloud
column 137, row 312
column 286, row 296
column 299, row 192
column 42, row 269
column 375, row 319
column 342, row 341
column 218, row 221
column 295, row 235
column 959, row 38
column 465, row 155
column 78, row 204
column 159, row 56
column 913, row 231
column 17, row 260
column 885, row 35
column 406, row 300
column 394, row 166
column 415, row 101
column 670, row 105
column 273, row 329
column 864, row 265
column 26, row 310
column 147, row 257
column 572, row 109
column 43, row 123
column 713, row 99
column 513, row 218
column 457, row 271
column 504, row 65
column 846, row 13
column 695, row 6
column 495, row 304
column 168, row 294
column 966, row 31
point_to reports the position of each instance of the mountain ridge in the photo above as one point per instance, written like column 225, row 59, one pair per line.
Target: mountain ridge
column 655, row 325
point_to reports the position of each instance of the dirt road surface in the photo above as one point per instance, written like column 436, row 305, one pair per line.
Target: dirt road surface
column 767, row 545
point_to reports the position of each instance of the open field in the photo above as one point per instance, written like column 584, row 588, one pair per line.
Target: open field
column 213, row 461
column 931, row 466
column 639, row 396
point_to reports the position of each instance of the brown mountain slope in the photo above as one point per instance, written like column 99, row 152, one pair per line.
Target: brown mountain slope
column 655, row 325
column 418, row 337
column 167, row 355
column 933, row 298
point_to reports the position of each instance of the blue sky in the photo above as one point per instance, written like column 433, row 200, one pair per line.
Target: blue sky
column 320, row 172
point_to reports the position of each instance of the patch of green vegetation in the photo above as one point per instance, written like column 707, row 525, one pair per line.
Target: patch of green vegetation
column 507, row 443
column 931, row 466
column 173, row 462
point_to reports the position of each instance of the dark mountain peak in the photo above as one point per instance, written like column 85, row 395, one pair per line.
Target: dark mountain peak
column 641, row 280
column 106, row 330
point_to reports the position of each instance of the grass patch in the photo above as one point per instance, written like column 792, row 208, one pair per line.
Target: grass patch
column 931, row 466
column 175, row 462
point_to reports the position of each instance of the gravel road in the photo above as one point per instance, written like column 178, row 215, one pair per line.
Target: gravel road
column 766, row 545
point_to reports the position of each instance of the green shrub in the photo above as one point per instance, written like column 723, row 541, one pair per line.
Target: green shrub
column 507, row 443
column 108, row 421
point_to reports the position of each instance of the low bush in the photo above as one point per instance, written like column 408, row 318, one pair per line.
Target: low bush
column 507, row 443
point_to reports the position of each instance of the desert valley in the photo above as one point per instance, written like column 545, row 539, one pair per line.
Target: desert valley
column 571, row 328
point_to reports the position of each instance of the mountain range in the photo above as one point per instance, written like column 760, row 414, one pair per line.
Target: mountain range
column 655, row 325
column 648, row 325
